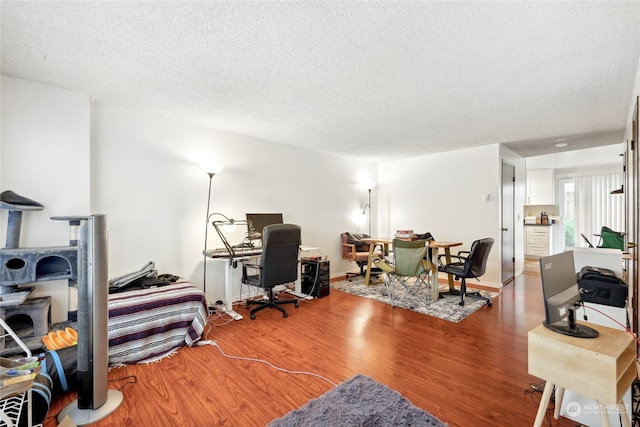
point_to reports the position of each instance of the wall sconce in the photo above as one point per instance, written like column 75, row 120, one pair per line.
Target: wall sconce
column 618, row 191
column 369, row 186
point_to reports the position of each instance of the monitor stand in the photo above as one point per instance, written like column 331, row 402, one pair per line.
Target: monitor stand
column 571, row 328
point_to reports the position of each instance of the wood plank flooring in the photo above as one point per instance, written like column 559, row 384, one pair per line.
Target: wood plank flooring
column 473, row 373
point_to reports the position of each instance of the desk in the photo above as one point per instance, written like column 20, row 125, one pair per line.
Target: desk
column 436, row 245
column 242, row 255
column 600, row 368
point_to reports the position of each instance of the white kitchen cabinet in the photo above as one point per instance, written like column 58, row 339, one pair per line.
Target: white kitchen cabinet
column 538, row 240
column 539, row 186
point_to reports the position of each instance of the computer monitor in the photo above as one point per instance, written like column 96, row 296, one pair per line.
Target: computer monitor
column 561, row 296
column 258, row 221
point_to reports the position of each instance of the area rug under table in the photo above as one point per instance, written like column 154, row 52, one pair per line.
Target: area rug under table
column 446, row 308
column 359, row 401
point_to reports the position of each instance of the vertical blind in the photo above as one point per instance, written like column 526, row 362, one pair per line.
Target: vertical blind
column 595, row 206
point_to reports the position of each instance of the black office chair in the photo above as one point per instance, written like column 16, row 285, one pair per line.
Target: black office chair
column 473, row 265
column 278, row 266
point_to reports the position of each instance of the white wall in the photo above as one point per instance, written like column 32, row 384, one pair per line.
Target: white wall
column 148, row 179
column 443, row 194
column 45, row 157
column 143, row 173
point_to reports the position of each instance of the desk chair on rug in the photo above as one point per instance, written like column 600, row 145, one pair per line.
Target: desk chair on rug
column 278, row 266
column 473, row 265
column 354, row 250
column 408, row 271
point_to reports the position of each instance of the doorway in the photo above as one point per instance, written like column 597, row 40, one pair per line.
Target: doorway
column 508, row 222
column 566, row 199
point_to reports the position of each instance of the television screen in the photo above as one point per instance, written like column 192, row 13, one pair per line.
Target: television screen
column 561, row 295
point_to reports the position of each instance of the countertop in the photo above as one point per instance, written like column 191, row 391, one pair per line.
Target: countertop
column 539, row 225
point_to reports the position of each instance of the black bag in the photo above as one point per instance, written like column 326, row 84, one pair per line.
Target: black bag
column 602, row 286
column 40, row 402
column 61, row 366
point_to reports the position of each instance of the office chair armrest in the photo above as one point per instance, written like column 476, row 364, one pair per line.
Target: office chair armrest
column 348, row 248
column 246, row 265
column 457, row 257
column 460, row 253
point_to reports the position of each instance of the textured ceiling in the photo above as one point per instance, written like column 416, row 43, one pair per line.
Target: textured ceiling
column 376, row 80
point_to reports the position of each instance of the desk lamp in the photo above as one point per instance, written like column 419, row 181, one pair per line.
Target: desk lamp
column 369, row 186
column 211, row 169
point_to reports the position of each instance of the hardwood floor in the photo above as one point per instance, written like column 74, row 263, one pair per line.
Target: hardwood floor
column 473, row 373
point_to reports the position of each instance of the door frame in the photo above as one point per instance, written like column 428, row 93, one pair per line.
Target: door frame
column 508, row 214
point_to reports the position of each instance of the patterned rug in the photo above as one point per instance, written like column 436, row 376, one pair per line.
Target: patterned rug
column 446, row 308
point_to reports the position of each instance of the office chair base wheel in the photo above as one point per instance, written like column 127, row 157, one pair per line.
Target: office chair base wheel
column 296, row 304
column 285, row 315
column 252, row 316
column 489, row 303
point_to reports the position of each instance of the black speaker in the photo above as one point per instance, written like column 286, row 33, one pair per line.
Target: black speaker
column 315, row 277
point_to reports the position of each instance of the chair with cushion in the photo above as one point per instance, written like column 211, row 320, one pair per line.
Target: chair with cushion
column 355, row 250
column 407, row 272
column 278, row 266
column 468, row 264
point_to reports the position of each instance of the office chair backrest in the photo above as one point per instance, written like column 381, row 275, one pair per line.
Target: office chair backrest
column 409, row 256
column 477, row 259
column 280, row 249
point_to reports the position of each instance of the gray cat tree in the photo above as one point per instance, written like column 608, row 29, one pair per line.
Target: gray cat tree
column 19, row 266
column 84, row 263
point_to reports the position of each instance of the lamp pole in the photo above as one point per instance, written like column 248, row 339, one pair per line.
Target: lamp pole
column 211, row 170
column 369, row 204
column 369, row 186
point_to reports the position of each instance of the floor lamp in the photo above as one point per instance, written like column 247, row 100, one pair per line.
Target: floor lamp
column 369, row 187
column 211, row 169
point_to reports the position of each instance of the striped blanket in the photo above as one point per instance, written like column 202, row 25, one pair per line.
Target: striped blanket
column 147, row 325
